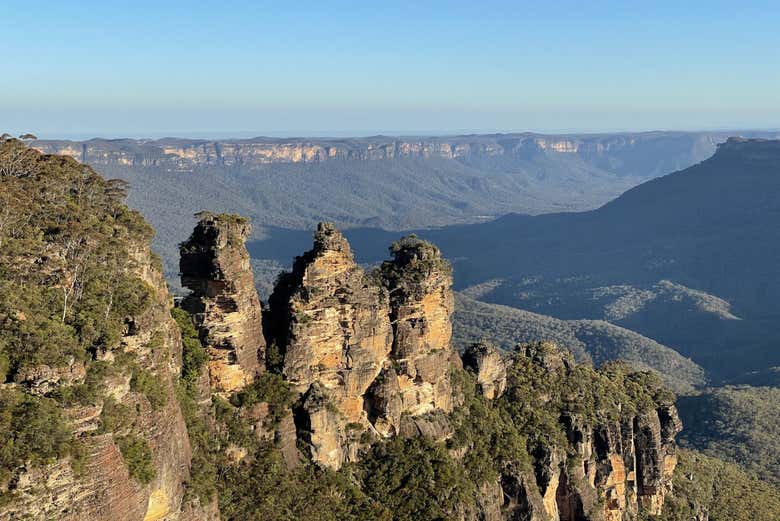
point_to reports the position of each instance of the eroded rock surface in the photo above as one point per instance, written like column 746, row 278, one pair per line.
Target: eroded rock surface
column 489, row 366
column 620, row 467
column 332, row 324
column 416, row 380
column 364, row 349
column 215, row 267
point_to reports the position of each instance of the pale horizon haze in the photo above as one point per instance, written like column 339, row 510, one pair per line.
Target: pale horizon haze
column 241, row 69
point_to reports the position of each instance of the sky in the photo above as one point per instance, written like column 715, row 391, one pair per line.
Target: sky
column 244, row 68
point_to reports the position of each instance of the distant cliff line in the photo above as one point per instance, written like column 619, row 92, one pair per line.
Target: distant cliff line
column 187, row 154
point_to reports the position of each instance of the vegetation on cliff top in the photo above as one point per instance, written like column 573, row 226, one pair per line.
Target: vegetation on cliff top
column 65, row 239
column 69, row 291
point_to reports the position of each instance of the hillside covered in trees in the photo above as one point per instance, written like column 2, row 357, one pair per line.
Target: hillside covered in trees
column 116, row 405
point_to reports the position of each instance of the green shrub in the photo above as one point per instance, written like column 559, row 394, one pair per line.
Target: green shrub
column 138, row 458
column 270, row 388
column 491, row 437
column 264, row 489
column 32, row 431
column 204, row 444
column 416, row 479
column 5, row 366
column 194, row 356
column 150, row 386
column 89, row 391
column 115, row 416
column 722, row 490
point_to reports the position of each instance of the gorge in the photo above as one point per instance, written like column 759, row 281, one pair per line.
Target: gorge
column 342, row 397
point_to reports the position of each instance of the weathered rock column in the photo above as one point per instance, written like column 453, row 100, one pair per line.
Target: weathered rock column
column 335, row 335
column 656, row 453
column 416, row 379
column 215, row 265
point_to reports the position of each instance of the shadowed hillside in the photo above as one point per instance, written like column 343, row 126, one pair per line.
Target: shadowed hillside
column 691, row 259
column 383, row 182
column 595, row 341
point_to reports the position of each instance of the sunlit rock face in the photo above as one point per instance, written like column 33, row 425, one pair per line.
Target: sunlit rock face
column 363, row 349
column 420, row 285
column 332, row 325
column 215, row 267
column 489, row 366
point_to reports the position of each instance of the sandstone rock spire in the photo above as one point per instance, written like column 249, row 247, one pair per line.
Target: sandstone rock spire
column 334, row 331
column 215, row 266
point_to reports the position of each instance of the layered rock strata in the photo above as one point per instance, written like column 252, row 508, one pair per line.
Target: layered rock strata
column 215, row 267
column 419, row 282
column 104, row 488
column 363, row 349
column 618, row 469
column 184, row 154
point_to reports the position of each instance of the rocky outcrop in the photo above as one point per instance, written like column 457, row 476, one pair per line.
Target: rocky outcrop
column 332, row 324
column 489, row 366
column 656, row 455
column 362, row 350
column 104, row 488
column 215, row 267
column 419, row 282
column 614, row 469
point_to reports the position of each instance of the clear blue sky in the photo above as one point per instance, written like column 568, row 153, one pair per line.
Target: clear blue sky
column 141, row 68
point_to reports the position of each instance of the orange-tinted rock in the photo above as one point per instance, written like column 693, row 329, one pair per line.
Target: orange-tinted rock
column 215, row 266
column 419, row 282
column 332, row 323
column 375, row 346
column 488, row 364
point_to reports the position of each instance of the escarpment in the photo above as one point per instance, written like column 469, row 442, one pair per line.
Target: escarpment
column 215, row 267
column 89, row 354
column 342, row 399
column 184, row 154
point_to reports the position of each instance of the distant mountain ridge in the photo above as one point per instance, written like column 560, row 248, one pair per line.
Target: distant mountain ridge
column 394, row 183
column 690, row 259
column 713, row 230
column 184, row 154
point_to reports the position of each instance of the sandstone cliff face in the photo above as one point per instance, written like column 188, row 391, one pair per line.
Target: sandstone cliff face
column 105, row 489
column 356, row 373
column 215, row 267
column 618, row 468
column 335, row 336
column 420, row 285
column 489, row 365
column 183, row 155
